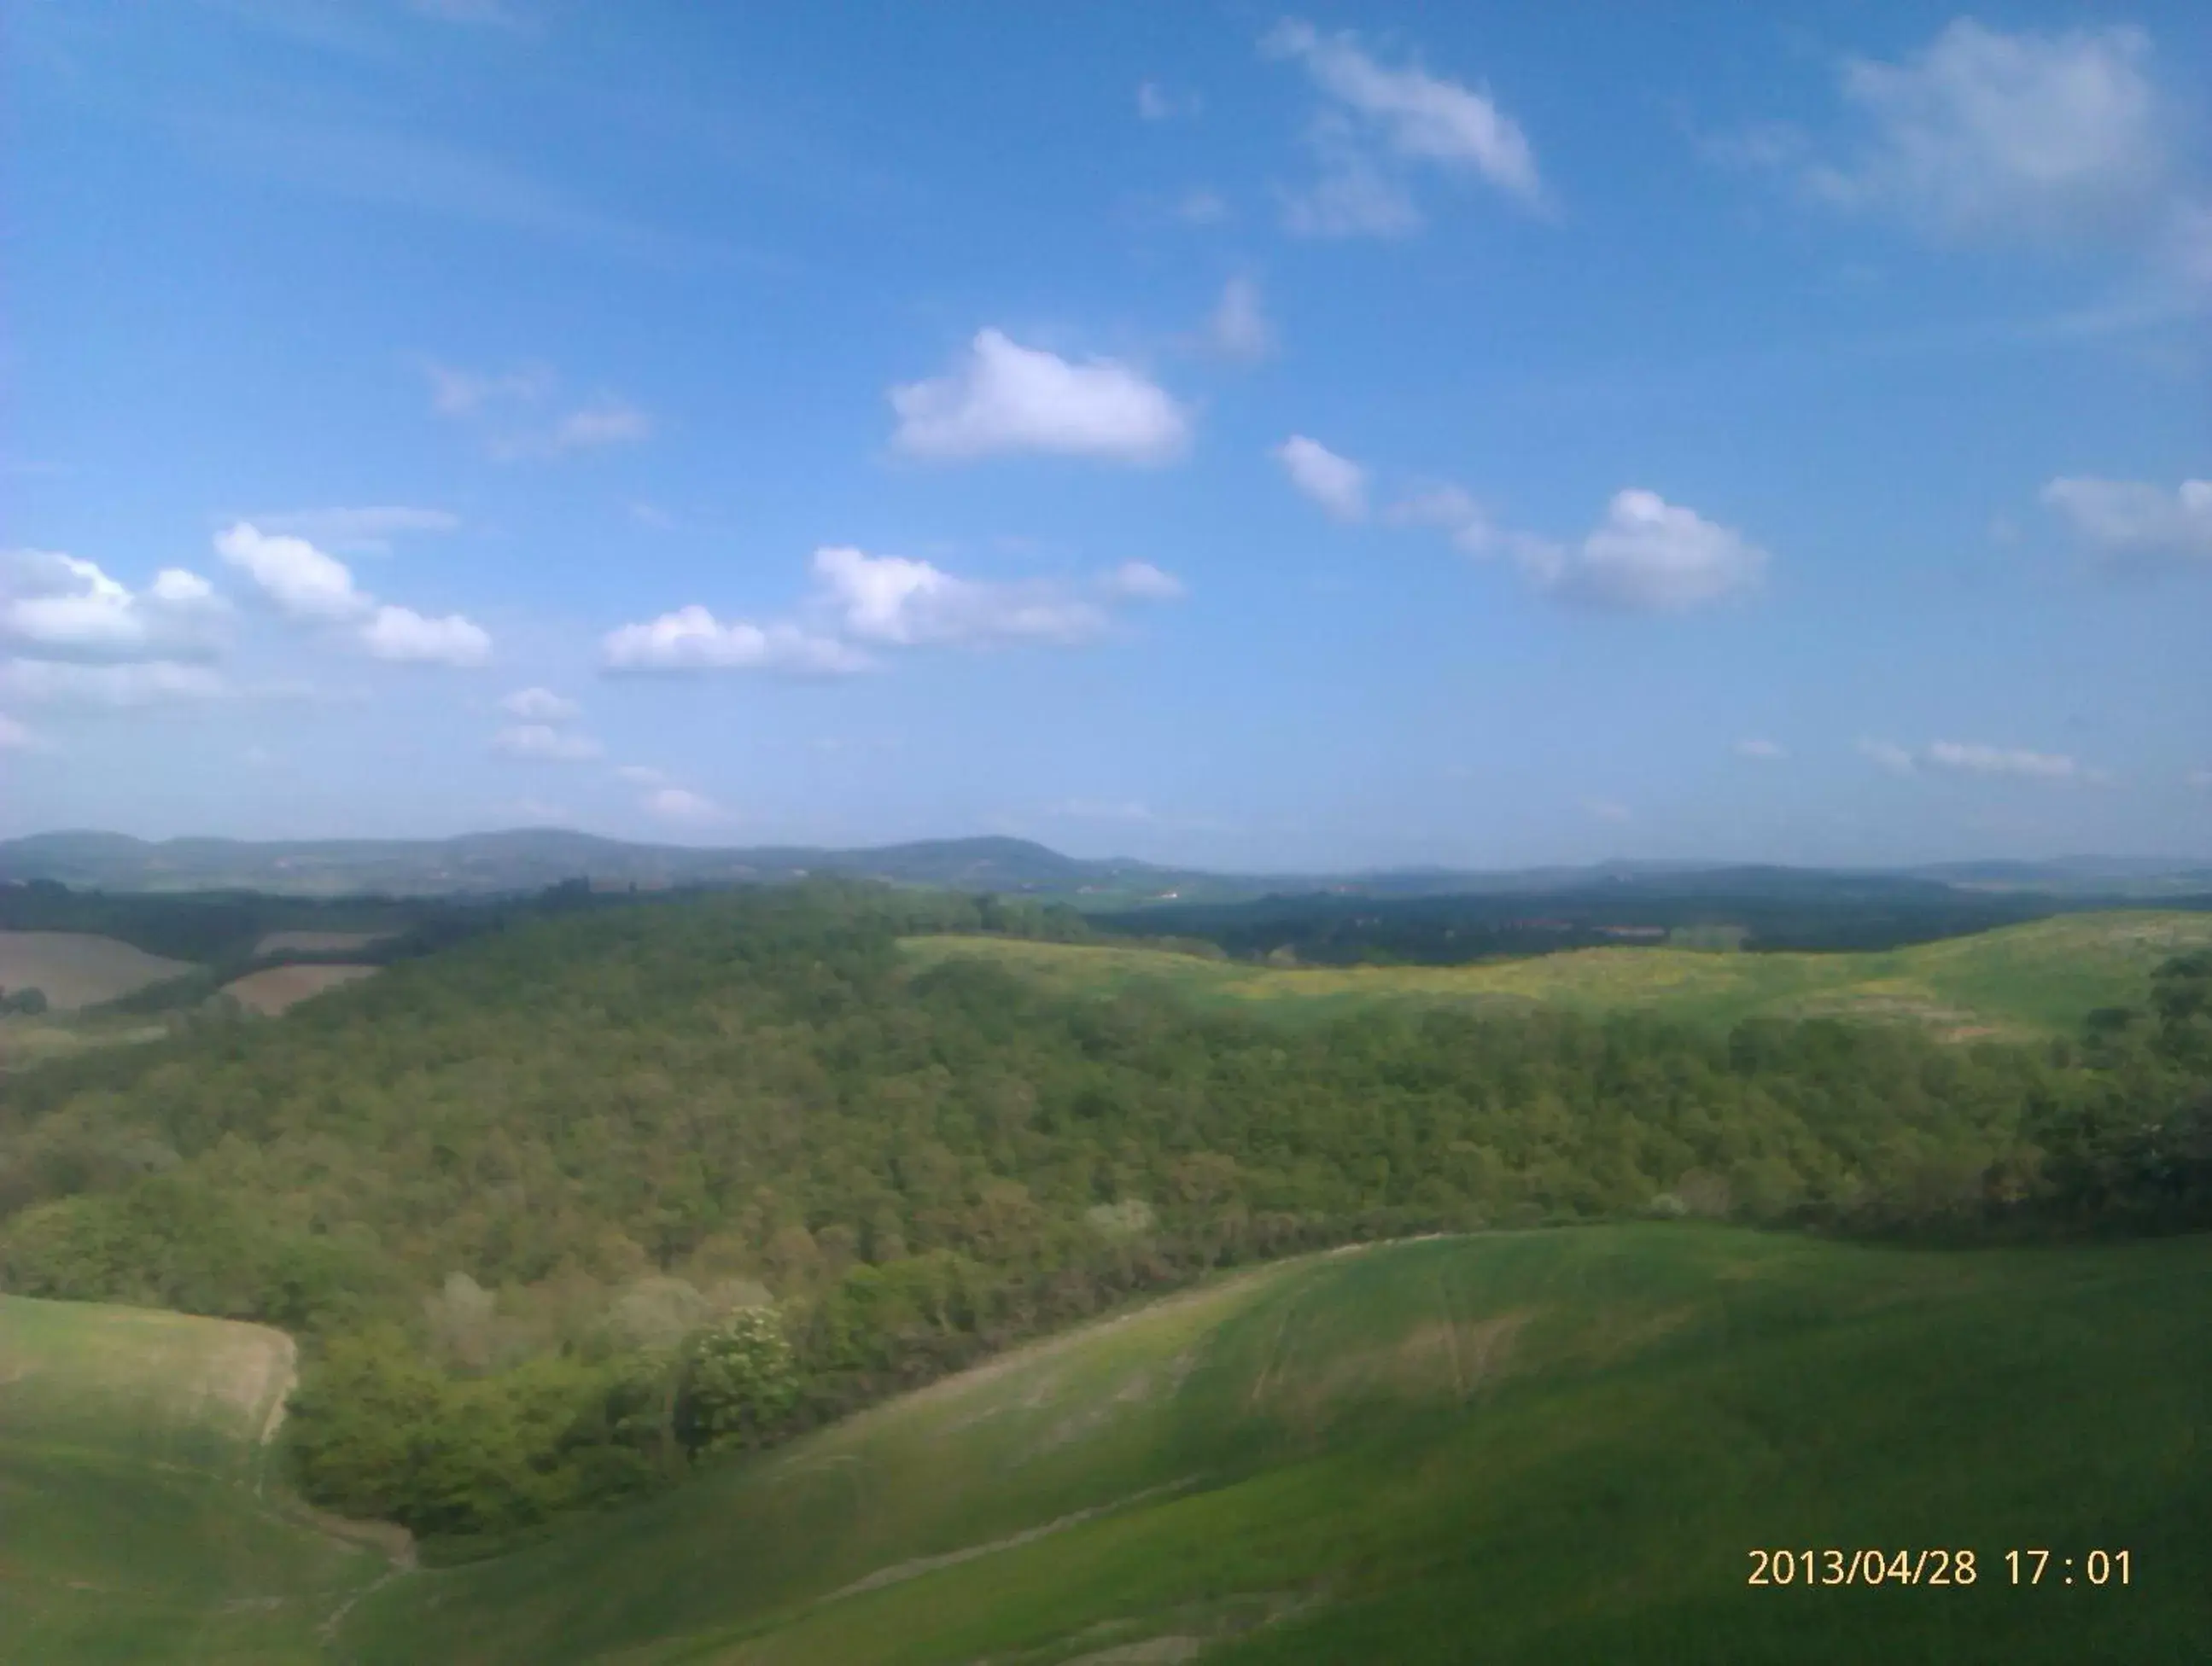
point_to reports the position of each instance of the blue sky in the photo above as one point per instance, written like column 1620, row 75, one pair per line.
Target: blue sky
column 1357, row 436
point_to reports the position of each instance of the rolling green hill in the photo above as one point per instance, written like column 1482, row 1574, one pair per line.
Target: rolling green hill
column 140, row 1516
column 2023, row 981
column 1522, row 1447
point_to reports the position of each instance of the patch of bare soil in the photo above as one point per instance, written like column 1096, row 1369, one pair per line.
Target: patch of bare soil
column 273, row 989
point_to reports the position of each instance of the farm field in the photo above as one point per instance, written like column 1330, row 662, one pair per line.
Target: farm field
column 2017, row 983
column 1516, row 1447
column 143, row 1520
column 274, row 988
column 316, row 942
column 78, row 969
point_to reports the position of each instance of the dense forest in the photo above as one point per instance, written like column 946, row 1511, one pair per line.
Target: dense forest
column 1753, row 910
column 579, row 1201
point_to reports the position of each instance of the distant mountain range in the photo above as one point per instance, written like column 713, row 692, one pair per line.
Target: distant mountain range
column 531, row 858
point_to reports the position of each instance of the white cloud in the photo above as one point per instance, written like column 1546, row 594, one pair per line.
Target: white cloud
column 1765, row 751
column 539, row 705
column 1988, row 135
column 894, row 599
column 1140, row 581
column 1408, row 114
column 2127, row 521
column 310, row 585
column 1006, row 397
column 1972, row 759
column 1200, row 207
column 1453, row 511
column 464, row 393
column 303, row 581
column 401, row 634
column 1155, row 103
column 1239, row 327
column 643, row 775
column 1421, row 116
column 16, row 737
column 1337, row 483
column 543, row 742
column 511, row 410
column 111, row 687
column 1650, row 555
column 1353, row 195
column 692, row 640
column 605, row 421
column 359, row 531
column 58, row 607
column 681, row 804
column 886, row 601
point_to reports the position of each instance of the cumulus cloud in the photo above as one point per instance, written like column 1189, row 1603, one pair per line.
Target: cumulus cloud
column 312, row 586
column 1649, row 556
column 403, row 635
column 1974, row 757
column 518, row 412
column 1006, row 397
column 860, row 601
column 1239, row 328
column 536, row 705
column 1380, row 119
column 369, row 532
column 2128, row 522
column 1764, row 751
column 545, row 743
column 303, row 581
column 111, row 687
column 1337, row 483
column 1985, row 133
column 54, row 606
column 692, row 640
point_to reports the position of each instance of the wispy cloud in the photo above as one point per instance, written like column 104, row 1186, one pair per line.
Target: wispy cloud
column 519, row 413
column 1379, row 121
column 2130, row 523
column 366, row 531
column 1335, row 482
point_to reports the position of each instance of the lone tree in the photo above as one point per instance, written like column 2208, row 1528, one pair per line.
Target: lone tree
column 739, row 1380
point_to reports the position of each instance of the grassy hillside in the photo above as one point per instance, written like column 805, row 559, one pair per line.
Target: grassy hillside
column 78, row 969
column 1520, row 1447
column 2019, row 982
column 140, row 1520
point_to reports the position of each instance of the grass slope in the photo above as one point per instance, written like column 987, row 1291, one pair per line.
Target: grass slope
column 1513, row 1448
column 2013, row 983
column 78, row 969
column 138, row 1521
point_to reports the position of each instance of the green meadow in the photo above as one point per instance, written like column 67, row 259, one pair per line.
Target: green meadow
column 143, row 1515
column 1517, row 1447
column 2017, row 983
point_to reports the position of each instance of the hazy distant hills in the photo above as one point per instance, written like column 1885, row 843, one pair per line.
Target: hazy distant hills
column 529, row 858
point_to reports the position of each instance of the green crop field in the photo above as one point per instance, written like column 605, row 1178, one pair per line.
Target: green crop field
column 1517, row 1447
column 2015, row 983
column 140, row 1515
